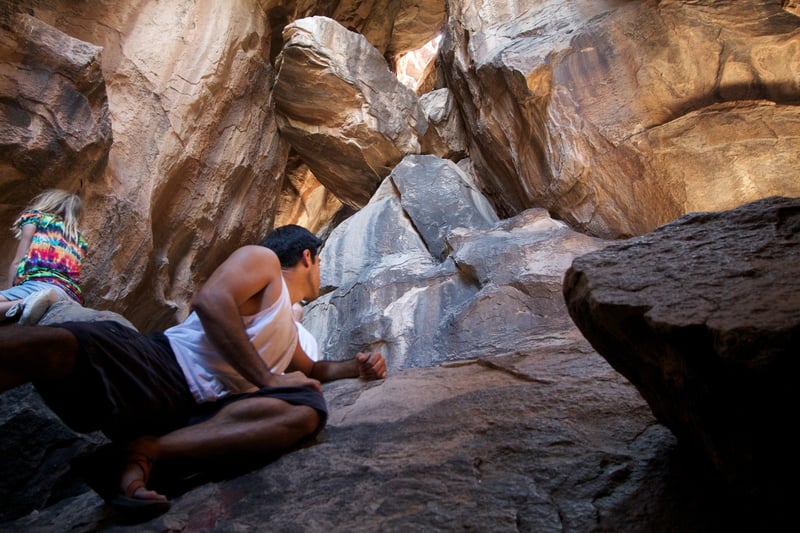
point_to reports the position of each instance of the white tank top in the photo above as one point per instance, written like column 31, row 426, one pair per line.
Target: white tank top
column 209, row 375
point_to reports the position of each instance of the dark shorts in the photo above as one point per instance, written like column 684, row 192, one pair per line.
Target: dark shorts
column 127, row 385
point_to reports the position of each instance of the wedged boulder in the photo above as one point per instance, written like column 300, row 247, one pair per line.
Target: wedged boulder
column 702, row 315
column 425, row 273
column 343, row 111
column 622, row 116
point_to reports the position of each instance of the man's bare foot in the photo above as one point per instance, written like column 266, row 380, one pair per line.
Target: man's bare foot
column 136, row 502
column 136, row 472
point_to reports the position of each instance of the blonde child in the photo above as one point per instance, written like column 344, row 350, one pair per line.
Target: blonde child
column 47, row 265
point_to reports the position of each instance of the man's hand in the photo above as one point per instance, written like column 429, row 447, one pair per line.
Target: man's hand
column 371, row 365
column 295, row 379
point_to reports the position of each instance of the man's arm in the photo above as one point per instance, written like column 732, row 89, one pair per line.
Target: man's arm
column 248, row 279
column 365, row 365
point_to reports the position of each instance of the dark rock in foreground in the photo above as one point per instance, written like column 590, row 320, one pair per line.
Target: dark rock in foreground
column 552, row 439
column 703, row 316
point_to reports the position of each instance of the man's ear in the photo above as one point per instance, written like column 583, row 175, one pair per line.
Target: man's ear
column 307, row 262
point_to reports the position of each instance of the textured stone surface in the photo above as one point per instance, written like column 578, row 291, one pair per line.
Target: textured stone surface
column 350, row 121
column 425, row 273
column 196, row 164
column 55, row 128
column 612, row 116
column 605, row 113
column 546, row 440
column 70, row 311
column 703, row 316
column 390, row 26
column 304, row 200
column 37, row 450
column 621, row 116
column 445, row 136
column 439, row 198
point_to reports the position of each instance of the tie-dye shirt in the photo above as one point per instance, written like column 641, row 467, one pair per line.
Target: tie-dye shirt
column 51, row 256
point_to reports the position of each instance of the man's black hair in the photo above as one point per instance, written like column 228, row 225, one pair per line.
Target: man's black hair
column 288, row 243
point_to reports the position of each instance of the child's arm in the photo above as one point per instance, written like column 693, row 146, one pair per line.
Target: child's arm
column 22, row 248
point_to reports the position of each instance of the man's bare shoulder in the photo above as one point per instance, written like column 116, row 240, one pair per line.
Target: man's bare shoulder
column 245, row 273
column 254, row 252
column 249, row 261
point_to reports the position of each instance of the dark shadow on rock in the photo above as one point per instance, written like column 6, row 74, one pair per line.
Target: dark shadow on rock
column 687, row 494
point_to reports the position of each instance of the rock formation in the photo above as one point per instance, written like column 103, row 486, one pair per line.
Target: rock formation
column 450, row 212
column 350, row 121
column 703, row 316
column 428, row 237
column 56, row 128
column 573, row 109
column 621, row 116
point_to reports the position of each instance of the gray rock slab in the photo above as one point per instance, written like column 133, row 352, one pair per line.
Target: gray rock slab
column 548, row 440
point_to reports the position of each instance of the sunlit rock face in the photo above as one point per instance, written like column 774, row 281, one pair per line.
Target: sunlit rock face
column 620, row 116
column 445, row 136
column 351, row 121
column 196, row 164
column 304, row 200
column 390, row 26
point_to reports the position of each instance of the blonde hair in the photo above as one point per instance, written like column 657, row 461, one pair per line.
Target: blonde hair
column 58, row 202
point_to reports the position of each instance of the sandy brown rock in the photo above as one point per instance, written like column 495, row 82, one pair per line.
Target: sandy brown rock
column 564, row 102
column 196, row 165
column 304, row 200
column 55, row 128
column 351, row 122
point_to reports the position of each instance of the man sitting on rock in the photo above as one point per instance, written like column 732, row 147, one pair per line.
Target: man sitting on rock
column 211, row 387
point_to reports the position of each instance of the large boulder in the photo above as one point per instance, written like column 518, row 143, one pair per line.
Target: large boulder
column 196, row 164
column 622, row 116
column 341, row 108
column 703, row 316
